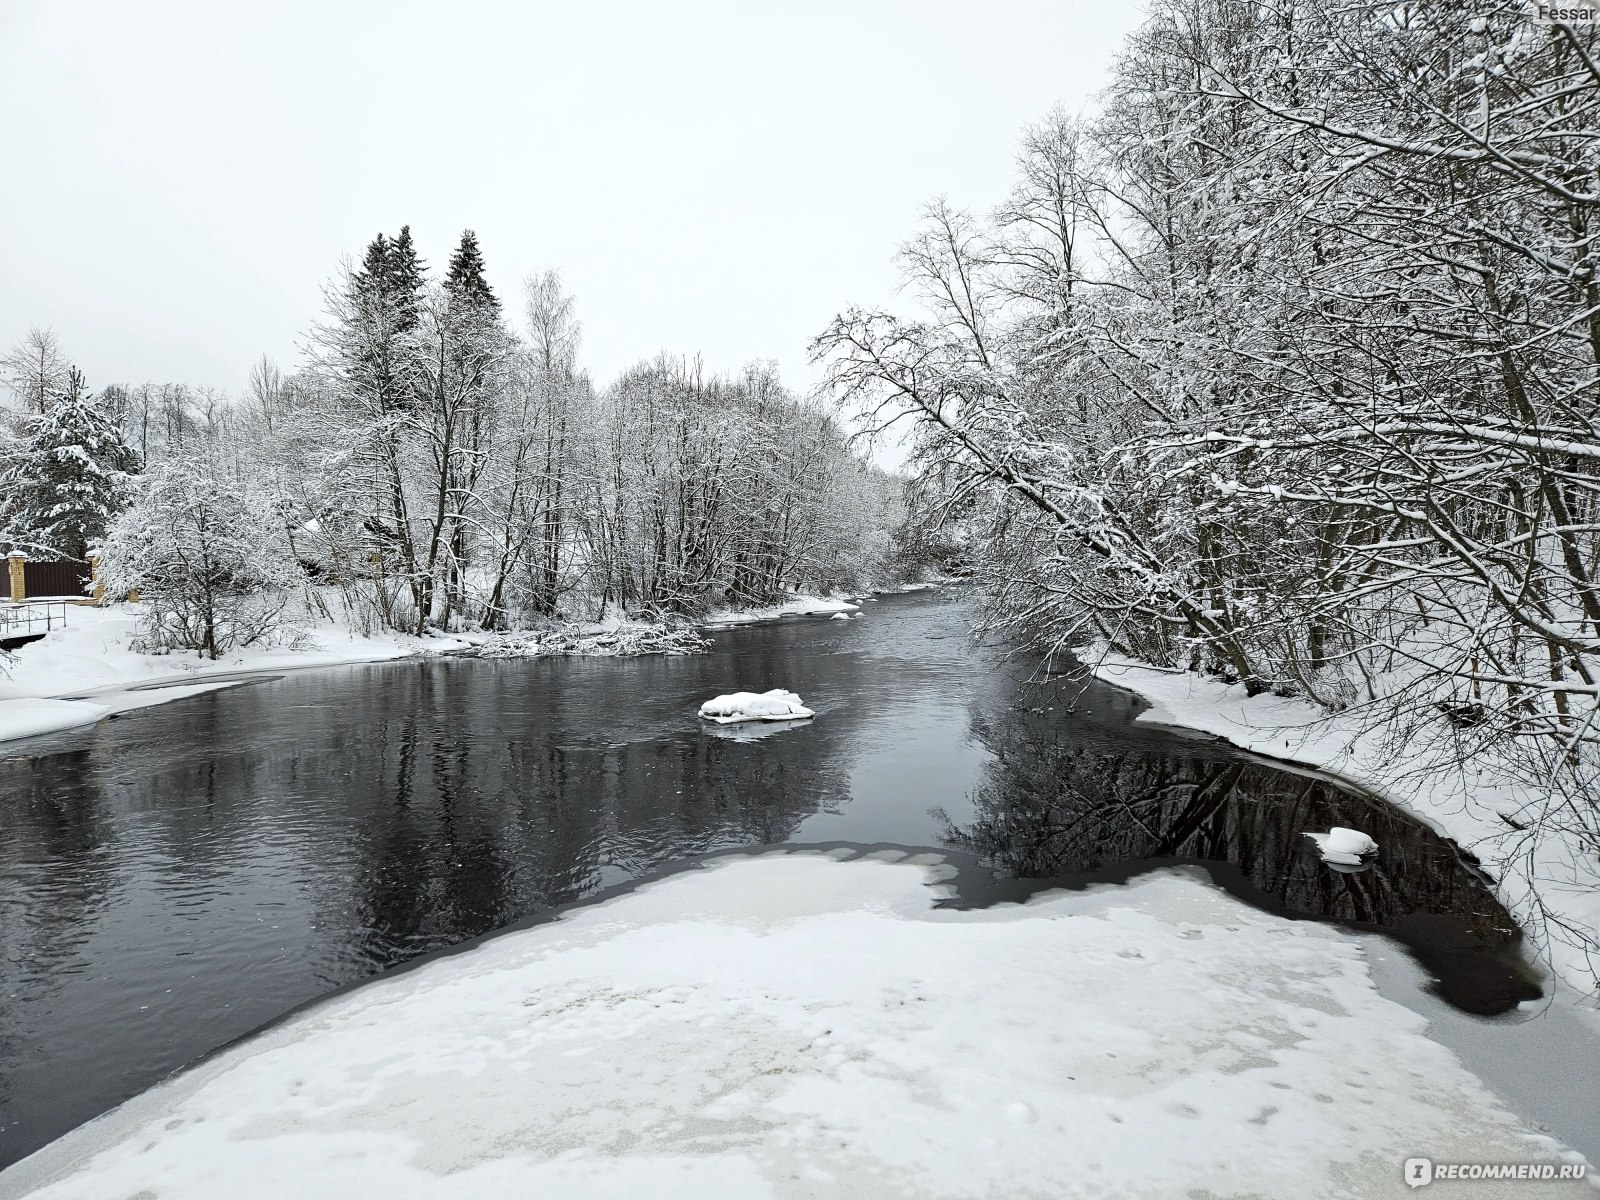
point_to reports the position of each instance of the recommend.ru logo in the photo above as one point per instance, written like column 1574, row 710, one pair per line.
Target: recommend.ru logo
column 1419, row 1172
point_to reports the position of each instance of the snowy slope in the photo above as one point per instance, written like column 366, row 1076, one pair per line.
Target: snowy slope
column 794, row 1025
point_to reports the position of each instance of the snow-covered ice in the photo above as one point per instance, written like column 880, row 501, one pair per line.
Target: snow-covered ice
column 774, row 705
column 796, row 1025
column 840, row 616
column 28, row 718
column 1347, row 847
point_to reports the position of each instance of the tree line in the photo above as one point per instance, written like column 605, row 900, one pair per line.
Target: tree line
column 429, row 466
column 1281, row 364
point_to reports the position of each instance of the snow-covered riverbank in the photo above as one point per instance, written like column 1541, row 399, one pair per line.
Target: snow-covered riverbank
column 1482, row 807
column 799, row 606
column 795, row 1025
column 89, row 670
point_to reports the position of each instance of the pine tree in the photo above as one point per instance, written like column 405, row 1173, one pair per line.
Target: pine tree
column 69, row 481
column 465, row 282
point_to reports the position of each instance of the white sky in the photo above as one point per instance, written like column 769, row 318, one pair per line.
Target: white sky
column 177, row 180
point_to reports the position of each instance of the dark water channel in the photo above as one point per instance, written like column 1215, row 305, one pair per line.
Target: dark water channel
column 176, row 877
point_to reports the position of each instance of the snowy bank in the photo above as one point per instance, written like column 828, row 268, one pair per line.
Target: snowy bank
column 795, row 1025
column 92, row 658
column 798, row 606
column 1484, row 809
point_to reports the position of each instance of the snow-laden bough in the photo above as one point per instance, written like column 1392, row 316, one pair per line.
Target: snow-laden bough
column 776, row 705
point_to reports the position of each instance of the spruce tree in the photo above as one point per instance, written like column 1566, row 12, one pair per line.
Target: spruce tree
column 465, row 282
column 407, row 273
column 371, row 282
column 385, row 301
column 70, row 478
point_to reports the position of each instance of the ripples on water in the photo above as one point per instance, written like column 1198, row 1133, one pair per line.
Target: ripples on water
column 181, row 875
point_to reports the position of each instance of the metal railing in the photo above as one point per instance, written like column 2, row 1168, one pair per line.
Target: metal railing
column 27, row 617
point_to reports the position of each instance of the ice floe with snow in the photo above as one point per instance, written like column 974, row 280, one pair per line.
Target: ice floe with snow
column 1344, row 847
column 774, row 705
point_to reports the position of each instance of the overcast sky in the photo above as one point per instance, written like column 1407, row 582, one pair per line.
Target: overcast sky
column 180, row 180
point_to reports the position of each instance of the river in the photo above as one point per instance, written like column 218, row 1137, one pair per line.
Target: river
column 181, row 875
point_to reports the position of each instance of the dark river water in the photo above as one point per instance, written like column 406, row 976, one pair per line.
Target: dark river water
column 176, row 877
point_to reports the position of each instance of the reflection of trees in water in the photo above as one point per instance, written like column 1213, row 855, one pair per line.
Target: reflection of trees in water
column 454, row 840
column 460, row 844
column 1050, row 807
column 48, row 816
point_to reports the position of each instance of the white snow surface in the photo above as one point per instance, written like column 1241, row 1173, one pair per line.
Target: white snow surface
column 1347, row 847
column 92, row 662
column 774, row 705
column 796, row 1025
column 1466, row 804
column 797, row 606
column 28, row 718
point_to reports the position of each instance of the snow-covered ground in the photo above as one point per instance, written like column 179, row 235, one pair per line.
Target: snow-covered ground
column 798, row 606
column 798, row 1025
column 1469, row 803
column 91, row 662
column 812, row 606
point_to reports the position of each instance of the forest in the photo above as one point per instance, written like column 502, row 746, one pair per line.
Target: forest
column 1280, row 365
column 430, row 467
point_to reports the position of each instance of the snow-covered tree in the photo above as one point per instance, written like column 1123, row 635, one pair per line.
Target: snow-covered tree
column 35, row 370
column 1285, row 365
column 208, row 557
column 69, row 479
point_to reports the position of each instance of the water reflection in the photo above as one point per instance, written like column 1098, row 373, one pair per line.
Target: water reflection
column 177, row 877
column 1055, row 807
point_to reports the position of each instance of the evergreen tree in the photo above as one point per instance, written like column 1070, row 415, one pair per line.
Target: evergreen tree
column 465, row 282
column 369, row 284
column 407, row 273
column 382, row 308
column 69, row 481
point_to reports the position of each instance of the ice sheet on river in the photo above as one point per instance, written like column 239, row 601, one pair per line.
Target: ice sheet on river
column 796, row 1025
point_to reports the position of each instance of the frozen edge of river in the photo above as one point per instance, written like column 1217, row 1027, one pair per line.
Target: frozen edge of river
column 805, row 1023
column 1467, row 810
